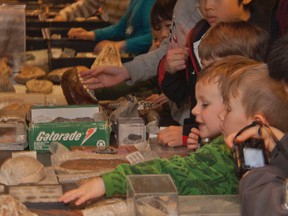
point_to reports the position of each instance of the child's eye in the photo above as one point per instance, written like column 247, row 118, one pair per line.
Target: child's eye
column 204, row 105
column 168, row 25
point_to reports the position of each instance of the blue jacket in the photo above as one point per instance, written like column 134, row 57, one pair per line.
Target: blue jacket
column 137, row 16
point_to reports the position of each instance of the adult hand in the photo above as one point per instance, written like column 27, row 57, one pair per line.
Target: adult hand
column 193, row 139
column 81, row 33
column 176, row 59
column 171, row 136
column 253, row 133
column 158, row 99
column 104, row 76
column 87, row 191
column 59, row 18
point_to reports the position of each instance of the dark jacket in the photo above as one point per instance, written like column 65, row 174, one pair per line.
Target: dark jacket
column 261, row 190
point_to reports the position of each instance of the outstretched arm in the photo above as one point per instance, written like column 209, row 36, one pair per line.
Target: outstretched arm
column 104, row 76
column 89, row 190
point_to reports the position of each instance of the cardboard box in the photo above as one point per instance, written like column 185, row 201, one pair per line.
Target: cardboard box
column 93, row 131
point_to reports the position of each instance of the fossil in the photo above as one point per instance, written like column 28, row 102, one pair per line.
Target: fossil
column 21, row 170
column 39, row 86
column 74, row 91
column 56, row 75
column 14, row 112
column 27, row 73
column 12, row 206
column 72, row 83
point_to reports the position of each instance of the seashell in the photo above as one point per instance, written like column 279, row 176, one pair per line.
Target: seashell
column 71, row 83
column 109, row 56
column 74, row 91
column 21, row 170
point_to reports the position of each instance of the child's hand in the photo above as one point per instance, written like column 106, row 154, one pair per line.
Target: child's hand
column 157, row 99
column 193, row 139
column 176, row 59
column 253, row 133
column 89, row 190
column 171, row 136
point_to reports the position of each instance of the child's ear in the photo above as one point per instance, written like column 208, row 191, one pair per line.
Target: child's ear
column 246, row 2
column 261, row 118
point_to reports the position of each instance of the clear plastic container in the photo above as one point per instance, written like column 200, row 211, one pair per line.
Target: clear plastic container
column 12, row 34
column 13, row 136
column 151, row 195
column 131, row 131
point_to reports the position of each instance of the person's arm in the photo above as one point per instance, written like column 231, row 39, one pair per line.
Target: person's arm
column 84, row 8
column 138, row 44
column 113, row 32
column 210, row 170
column 175, row 86
column 145, row 66
column 137, row 17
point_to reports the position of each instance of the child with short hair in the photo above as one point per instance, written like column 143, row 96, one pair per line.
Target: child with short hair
column 209, row 170
column 161, row 20
column 266, row 186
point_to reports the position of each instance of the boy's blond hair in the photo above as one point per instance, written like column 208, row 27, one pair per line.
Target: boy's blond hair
column 238, row 76
column 218, row 71
column 234, row 38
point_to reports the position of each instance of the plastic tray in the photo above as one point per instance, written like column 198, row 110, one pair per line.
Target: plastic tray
column 13, row 136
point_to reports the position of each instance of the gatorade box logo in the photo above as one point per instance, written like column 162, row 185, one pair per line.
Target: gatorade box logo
column 89, row 133
column 74, row 136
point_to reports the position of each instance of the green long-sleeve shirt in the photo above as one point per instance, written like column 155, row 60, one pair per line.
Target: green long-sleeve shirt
column 209, row 170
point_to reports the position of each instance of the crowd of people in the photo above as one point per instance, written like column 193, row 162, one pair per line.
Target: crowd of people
column 222, row 67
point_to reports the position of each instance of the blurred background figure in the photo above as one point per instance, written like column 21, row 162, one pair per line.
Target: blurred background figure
column 109, row 10
column 161, row 19
column 132, row 34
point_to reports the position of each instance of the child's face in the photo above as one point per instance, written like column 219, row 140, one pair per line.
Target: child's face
column 215, row 11
column 160, row 34
column 209, row 104
column 233, row 117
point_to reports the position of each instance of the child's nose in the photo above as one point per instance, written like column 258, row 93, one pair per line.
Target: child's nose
column 208, row 4
column 194, row 111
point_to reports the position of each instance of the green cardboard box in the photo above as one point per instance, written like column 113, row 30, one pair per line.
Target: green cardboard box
column 84, row 125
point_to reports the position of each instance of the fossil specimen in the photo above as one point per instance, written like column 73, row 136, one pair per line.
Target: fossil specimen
column 21, row 170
